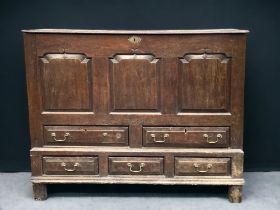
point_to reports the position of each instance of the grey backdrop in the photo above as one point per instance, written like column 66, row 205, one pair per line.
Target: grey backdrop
column 262, row 18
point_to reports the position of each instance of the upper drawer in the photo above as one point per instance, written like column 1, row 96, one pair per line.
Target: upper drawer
column 70, row 165
column 86, row 135
column 186, row 136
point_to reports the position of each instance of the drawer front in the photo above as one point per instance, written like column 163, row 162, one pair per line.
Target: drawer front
column 202, row 166
column 186, row 136
column 70, row 165
column 86, row 135
column 135, row 165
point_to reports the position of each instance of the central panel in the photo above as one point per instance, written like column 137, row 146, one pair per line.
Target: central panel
column 134, row 83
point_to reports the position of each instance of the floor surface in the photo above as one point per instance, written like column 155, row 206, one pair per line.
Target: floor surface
column 261, row 192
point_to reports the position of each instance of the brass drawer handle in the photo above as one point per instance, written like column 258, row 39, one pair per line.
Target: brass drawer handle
column 105, row 134
column 197, row 166
column 165, row 136
column 118, row 135
column 75, row 165
column 130, row 165
column 218, row 137
column 66, row 135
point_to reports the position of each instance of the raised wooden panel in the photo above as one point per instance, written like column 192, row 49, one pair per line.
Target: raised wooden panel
column 134, row 81
column 204, row 83
column 66, row 82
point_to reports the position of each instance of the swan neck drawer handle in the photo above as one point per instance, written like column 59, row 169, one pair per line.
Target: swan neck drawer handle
column 131, row 166
column 66, row 135
column 74, row 167
column 209, row 141
column 197, row 168
column 165, row 136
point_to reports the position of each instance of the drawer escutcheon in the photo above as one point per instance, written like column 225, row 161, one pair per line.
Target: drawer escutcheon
column 134, row 39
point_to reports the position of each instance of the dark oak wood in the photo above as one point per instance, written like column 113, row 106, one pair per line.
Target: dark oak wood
column 235, row 193
column 40, row 191
column 202, row 166
column 86, row 135
column 158, row 107
column 70, row 165
column 180, row 31
column 134, row 81
column 186, row 136
column 204, row 83
column 66, row 82
column 136, row 165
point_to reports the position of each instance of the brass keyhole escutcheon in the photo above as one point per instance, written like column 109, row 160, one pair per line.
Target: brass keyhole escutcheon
column 134, row 39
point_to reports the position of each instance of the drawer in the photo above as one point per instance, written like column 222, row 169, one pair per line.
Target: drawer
column 186, row 136
column 86, row 135
column 135, row 165
column 202, row 166
column 70, row 165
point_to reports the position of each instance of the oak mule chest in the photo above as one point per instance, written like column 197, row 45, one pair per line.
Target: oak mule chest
column 136, row 107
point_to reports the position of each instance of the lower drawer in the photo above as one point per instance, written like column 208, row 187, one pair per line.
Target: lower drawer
column 135, row 165
column 202, row 166
column 70, row 165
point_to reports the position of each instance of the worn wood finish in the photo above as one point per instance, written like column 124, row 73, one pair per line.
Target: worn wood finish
column 135, row 165
column 79, row 31
column 134, row 81
column 70, row 165
column 147, row 179
column 66, row 82
column 147, row 107
column 202, row 166
column 168, row 155
column 186, row 136
column 204, row 83
column 40, row 191
column 235, row 193
column 85, row 135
